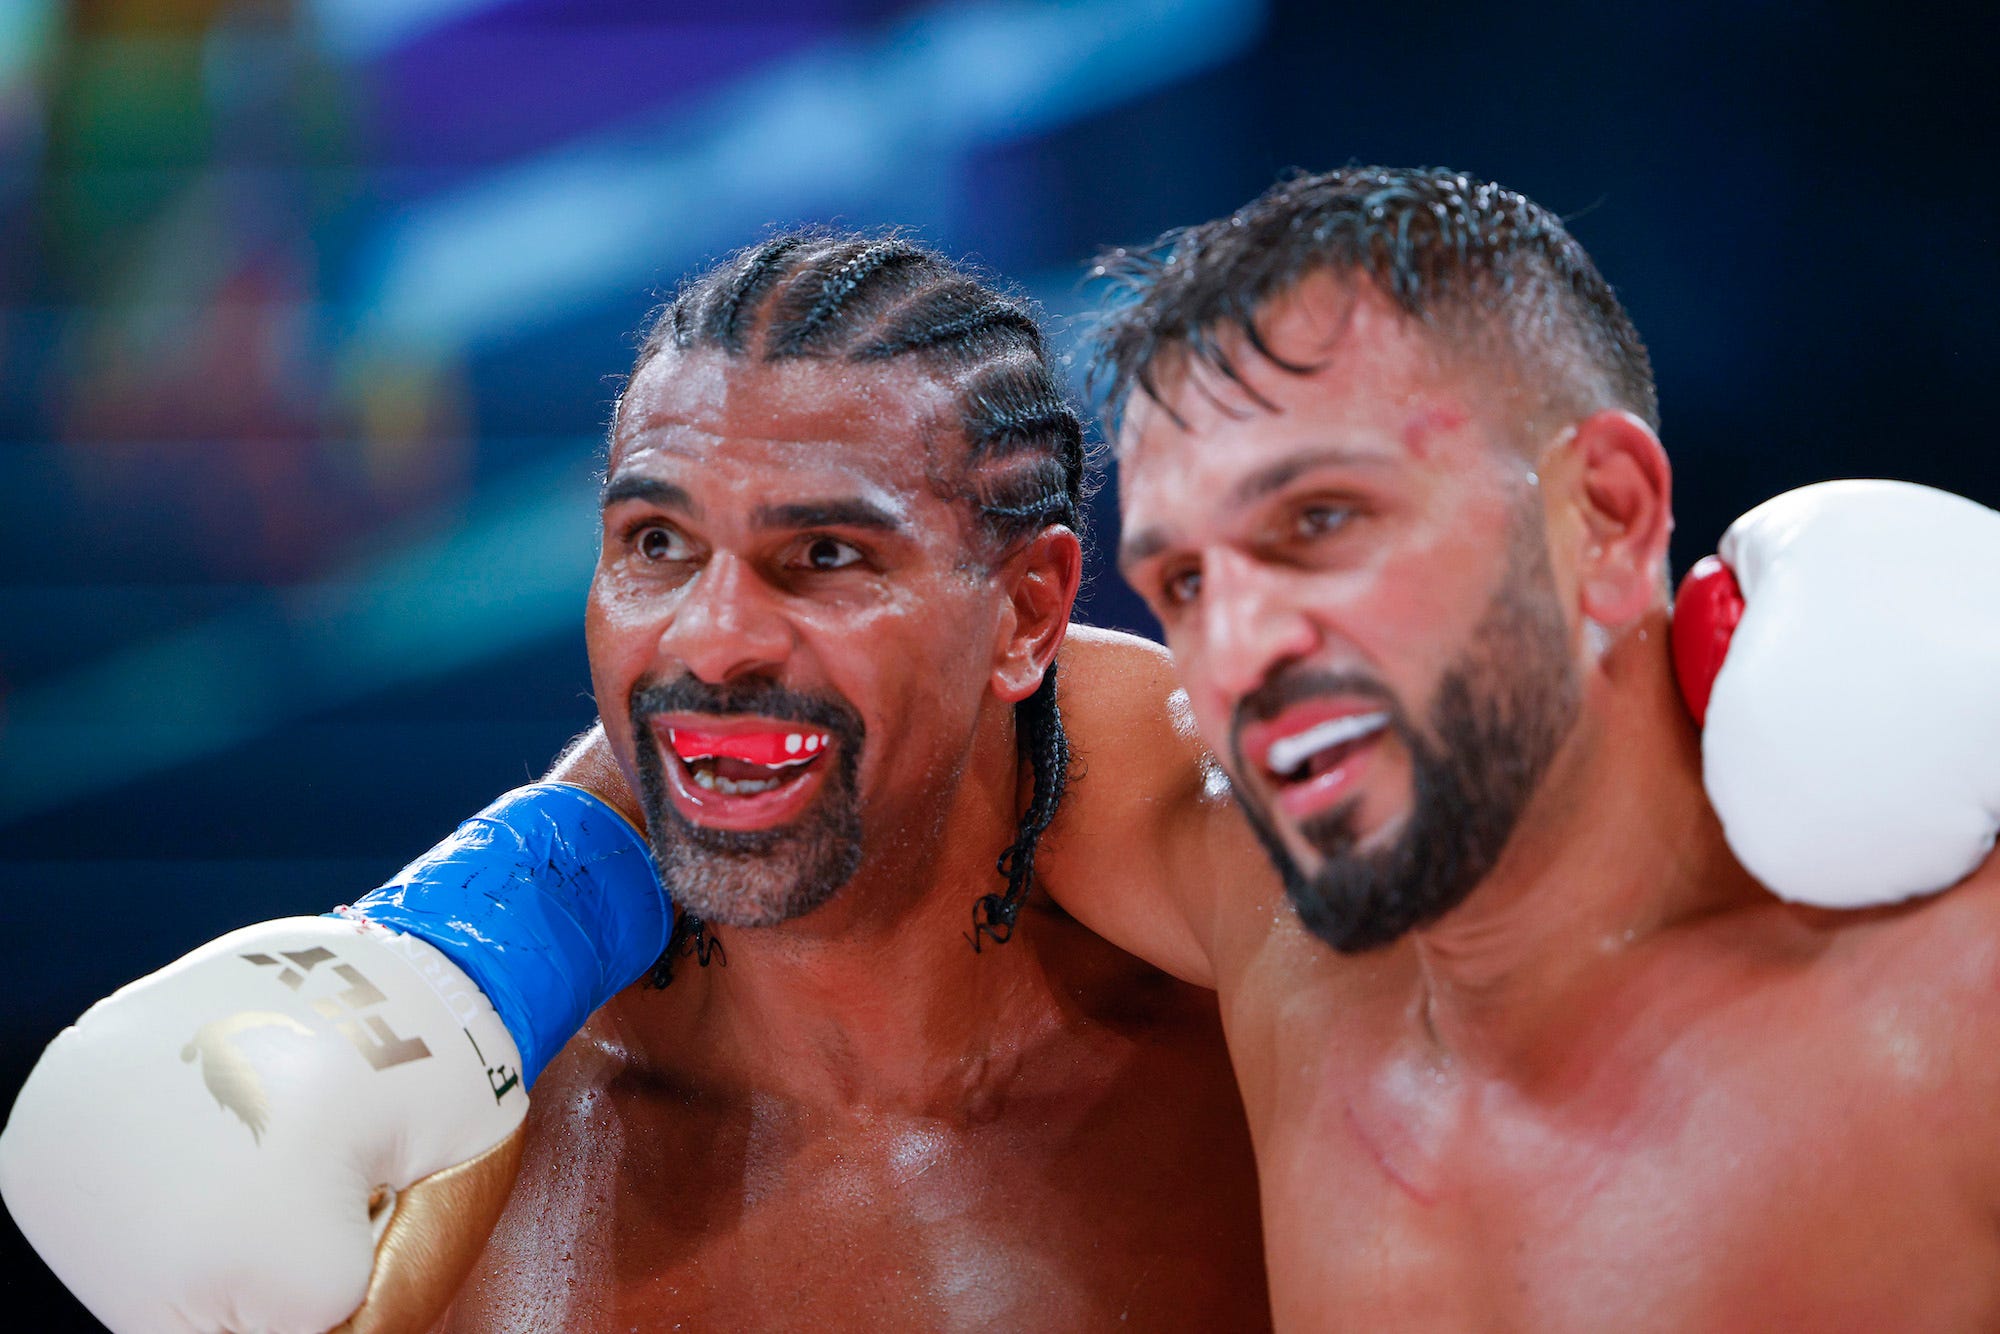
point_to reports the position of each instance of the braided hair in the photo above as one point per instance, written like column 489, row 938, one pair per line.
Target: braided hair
column 864, row 299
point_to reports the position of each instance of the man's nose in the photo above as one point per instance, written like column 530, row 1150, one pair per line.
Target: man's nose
column 728, row 623
column 1253, row 621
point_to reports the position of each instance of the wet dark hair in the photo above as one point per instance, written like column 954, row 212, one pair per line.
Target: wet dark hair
column 873, row 299
column 1486, row 268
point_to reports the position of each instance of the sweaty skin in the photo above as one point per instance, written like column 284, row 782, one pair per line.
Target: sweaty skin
column 856, row 1121
column 1619, row 1086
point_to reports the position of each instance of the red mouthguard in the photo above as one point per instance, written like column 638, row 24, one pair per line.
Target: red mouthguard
column 773, row 750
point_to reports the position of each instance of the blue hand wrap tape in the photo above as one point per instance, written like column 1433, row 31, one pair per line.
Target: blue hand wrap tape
column 548, row 900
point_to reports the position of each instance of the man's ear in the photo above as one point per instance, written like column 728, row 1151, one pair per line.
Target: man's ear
column 1623, row 493
column 1042, row 579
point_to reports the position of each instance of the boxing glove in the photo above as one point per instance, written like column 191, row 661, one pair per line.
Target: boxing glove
column 313, row 1123
column 1843, row 658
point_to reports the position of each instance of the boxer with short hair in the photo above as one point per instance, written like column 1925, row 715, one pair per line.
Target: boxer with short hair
column 1530, row 1048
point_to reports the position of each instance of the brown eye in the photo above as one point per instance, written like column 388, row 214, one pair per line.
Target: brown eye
column 828, row 553
column 1319, row 520
column 660, row 543
column 1181, row 587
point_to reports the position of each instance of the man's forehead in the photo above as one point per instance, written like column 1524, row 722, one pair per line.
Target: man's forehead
column 1360, row 353
column 1365, row 404
column 1375, row 394
column 809, row 410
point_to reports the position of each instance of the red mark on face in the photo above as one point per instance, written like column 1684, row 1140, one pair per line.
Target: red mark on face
column 1418, row 429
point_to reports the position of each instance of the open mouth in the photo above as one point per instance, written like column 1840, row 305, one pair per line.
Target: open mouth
column 1311, row 757
column 742, row 773
column 1322, row 746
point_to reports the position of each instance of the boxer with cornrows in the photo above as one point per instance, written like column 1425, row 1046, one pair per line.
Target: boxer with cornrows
column 841, row 521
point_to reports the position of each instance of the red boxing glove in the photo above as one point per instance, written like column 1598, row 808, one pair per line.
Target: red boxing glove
column 1706, row 611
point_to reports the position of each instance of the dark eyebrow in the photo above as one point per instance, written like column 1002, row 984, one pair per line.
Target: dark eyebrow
column 629, row 486
column 1136, row 547
column 1147, row 543
column 1277, row 476
column 855, row 513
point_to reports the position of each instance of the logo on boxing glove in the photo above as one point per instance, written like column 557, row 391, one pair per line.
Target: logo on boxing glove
column 372, row 1037
column 231, row 1076
column 227, row 1071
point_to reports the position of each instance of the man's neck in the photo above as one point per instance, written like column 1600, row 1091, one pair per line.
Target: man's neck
column 1619, row 845
column 875, row 999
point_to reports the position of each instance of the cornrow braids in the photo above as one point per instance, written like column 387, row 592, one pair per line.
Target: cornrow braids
column 755, row 273
column 992, row 319
column 1038, row 724
column 840, row 288
column 1481, row 264
column 868, row 299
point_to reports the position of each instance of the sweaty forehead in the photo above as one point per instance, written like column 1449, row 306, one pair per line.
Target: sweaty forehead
column 881, row 419
column 1364, row 360
column 1378, row 399
column 1373, row 382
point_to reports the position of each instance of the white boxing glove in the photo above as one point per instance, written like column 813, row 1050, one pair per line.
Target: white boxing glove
column 220, row 1146
column 1851, row 744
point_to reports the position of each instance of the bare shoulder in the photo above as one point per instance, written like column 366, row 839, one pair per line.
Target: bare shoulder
column 1953, row 935
column 1147, row 840
column 1964, row 922
column 1107, row 859
column 1112, row 675
column 1122, row 703
column 1931, row 978
column 1926, row 971
column 1943, row 947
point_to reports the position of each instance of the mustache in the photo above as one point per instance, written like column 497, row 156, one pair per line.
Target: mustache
column 762, row 697
column 1293, row 685
column 1289, row 685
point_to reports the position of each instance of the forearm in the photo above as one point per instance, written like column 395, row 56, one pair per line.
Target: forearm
column 299, row 1074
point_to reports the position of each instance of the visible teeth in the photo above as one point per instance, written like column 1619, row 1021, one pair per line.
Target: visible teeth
column 1288, row 753
column 711, row 781
column 793, row 742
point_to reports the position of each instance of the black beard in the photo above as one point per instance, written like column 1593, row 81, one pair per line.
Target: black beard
column 1499, row 715
column 752, row 877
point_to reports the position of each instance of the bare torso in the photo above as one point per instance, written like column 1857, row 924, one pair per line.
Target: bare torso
column 1762, row 1118
column 1755, row 1118
column 1772, row 1119
column 1093, row 1174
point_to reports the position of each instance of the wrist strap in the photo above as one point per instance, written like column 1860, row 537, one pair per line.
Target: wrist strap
column 548, row 899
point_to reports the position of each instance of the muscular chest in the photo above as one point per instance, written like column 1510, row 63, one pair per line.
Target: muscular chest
column 1804, row 1179
column 1099, row 1207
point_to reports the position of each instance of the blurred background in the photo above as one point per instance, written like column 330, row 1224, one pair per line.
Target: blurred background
column 311, row 313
